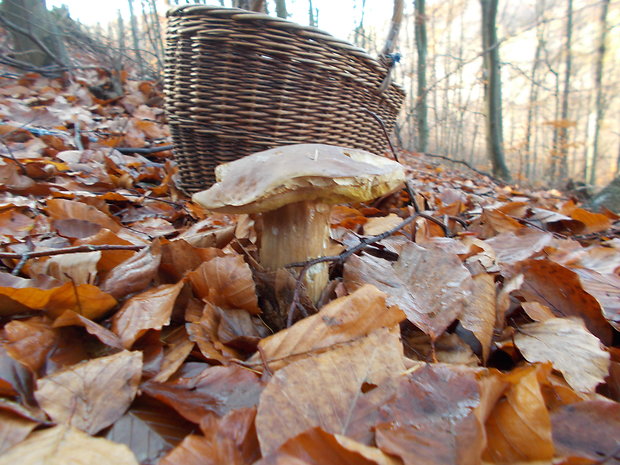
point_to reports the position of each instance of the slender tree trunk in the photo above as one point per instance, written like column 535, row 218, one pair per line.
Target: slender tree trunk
column 281, row 9
column 359, row 38
column 136, row 39
column 563, row 130
column 493, row 90
column 534, row 86
column 421, row 106
column 598, row 84
column 312, row 15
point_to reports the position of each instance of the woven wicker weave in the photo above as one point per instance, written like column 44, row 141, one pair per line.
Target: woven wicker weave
column 239, row 82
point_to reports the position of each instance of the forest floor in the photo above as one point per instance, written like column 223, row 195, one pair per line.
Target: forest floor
column 487, row 330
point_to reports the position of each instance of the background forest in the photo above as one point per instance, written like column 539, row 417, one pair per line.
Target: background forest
column 559, row 63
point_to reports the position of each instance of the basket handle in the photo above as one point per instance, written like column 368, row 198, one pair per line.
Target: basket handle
column 387, row 57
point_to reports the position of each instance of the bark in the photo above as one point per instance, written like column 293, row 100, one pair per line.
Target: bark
column 37, row 39
column 421, row 107
column 281, row 9
column 563, row 130
column 493, row 90
column 533, row 98
column 598, row 84
column 397, row 19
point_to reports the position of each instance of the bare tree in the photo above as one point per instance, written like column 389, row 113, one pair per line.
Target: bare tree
column 598, row 84
column 421, row 107
column 313, row 15
column 493, row 90
column 563, row 129
column 281, row 9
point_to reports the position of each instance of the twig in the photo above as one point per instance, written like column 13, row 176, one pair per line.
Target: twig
column 12, row 157
column 144, row 150
column 385, row 132
column 468, row 165
column 25, row 256
column 15, row 28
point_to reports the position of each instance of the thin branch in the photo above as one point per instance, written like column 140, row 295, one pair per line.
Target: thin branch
column 468, row 165
column 15, row 28
column 68, row 250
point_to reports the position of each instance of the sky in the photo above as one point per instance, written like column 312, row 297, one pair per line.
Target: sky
column 337, row 17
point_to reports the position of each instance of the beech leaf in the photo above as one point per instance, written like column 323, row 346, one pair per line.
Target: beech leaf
column 570, row 347
column 352, row 380
column 93, row 394
column 430, row 286
column 342, row 320
column 13, row 429
column 64, row 444
column 480, row 311
column 149, row 310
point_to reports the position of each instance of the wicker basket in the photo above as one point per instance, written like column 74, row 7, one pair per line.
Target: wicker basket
column 239, row 82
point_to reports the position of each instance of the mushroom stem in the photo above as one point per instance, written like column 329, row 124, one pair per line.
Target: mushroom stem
column 297, row 232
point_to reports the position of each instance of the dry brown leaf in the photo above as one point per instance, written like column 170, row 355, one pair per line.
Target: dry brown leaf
column 560, row 289
column 480, row 311
column 588, row 429
column 227, row 283
column 79, row 268
column 537, row 311
column 342, row 320
column 134, row 274
column 570, row 347
column 213, row 390
column 179, row 257
column 179, row 347
column 316, row 447
column 13, row 429
column 432, row 418
column 378, row 225
column 149, row 310
column 93, row 394
column 338, row 390
column 512, row 247
column 519, row 427
column 229, row 440
column 430, row 286
column 63, row 445
column 109, row 258
column 30, row 341
column 594, row 222
column 606, row 289
column 70, row 318
column 62, row 209
column 493, row 222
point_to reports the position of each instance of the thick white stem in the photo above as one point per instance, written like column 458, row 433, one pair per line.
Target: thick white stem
column 295, row 233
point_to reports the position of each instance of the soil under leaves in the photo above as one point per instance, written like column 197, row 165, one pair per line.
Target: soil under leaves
column 132, row 330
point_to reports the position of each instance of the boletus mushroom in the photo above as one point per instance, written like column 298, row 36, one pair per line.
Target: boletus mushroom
column 293, row 188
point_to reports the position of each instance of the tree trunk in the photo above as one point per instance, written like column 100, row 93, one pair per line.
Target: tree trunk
column 281, row 9
column 563, row 130
column 534, row 86
column 136, row 40
column 598, row 84
column 40, row 43
column 313, row 15
column 421, row 107
column 493, row 90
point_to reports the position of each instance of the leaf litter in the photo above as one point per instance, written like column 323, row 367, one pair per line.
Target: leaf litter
column 134, row 327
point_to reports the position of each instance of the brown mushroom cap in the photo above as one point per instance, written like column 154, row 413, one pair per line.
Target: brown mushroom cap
column 268, row 180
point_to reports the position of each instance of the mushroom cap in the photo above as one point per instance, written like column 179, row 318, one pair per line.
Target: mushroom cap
column 268, row 180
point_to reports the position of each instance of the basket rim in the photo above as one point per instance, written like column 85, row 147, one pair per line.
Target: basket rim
column 238, row 14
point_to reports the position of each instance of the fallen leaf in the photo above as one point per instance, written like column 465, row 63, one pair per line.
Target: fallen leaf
column 109, row 258
column 213, row 390
column 64, row 444
column 30, row 341
column 179, row 346
column 148, row 310
column 378, row 225
column 560, row 289
column 70, row 318
column 519, row 427
column 13, row 429
column 480, row 311
column 430, row 286
column 513, row 247
column 588, row 429
column 594, row 222
column 229, row 440
column 178, row 257
column 134, row 274
column 569, row 346
column 342, row 320
column 605, row 288
column 78, row 268
column 149, row 429
column 352, row 379
column 432, row 418
column 317, row 447
column 93, row 394
column 62, row 209
column 537, row 311
column 227, row 283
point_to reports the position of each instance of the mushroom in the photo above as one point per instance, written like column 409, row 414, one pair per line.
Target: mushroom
column 293, row 187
